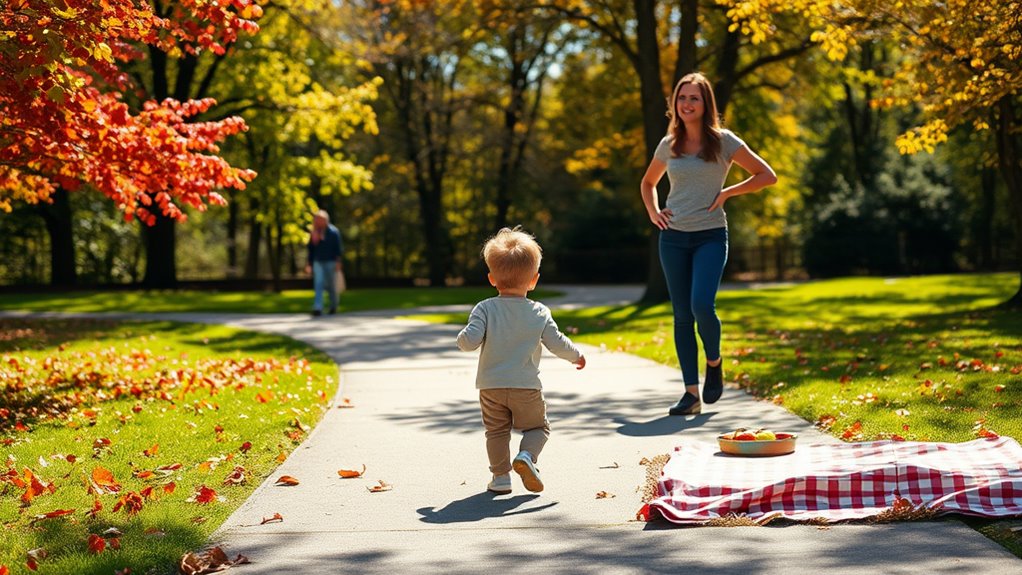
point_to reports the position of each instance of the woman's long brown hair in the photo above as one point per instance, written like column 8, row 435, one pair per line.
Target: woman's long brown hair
column 711, row 123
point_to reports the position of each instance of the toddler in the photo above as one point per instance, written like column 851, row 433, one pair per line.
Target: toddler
column 510, row 329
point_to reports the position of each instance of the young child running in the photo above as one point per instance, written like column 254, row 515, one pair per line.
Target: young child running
column 510, row 329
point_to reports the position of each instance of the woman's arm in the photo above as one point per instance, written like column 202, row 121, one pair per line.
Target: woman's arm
column 655, row 171
column 762, row 176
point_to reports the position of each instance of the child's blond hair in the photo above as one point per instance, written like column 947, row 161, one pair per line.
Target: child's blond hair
column 513, row 258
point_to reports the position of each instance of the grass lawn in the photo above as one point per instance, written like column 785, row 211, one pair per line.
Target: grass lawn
column 121, row 425
column 294, row 301
column 920, row 358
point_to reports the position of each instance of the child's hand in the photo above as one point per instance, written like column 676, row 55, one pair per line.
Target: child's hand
column 581, row 362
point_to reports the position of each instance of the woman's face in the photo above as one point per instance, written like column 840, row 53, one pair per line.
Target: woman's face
column 690, row 106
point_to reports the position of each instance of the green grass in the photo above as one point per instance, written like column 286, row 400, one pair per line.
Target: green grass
column 294, row 301
column 66, row 384
column 922, row 358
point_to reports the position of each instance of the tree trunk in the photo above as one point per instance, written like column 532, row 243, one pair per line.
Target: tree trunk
column 232, row 239
column 426, row 131
column 57, row 216
column 160, row 265
column 654, row 123
column 1008, row 159
column 255, row 230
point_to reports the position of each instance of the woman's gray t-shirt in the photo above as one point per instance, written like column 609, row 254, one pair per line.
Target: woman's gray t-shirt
column 695, row 183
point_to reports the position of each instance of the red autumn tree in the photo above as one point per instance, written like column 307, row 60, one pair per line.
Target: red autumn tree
column 64, row 124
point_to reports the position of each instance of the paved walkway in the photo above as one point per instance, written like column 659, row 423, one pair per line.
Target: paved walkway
column 415, row 425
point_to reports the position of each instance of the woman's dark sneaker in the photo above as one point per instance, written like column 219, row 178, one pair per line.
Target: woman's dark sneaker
column 687, row 405
column 713, row 386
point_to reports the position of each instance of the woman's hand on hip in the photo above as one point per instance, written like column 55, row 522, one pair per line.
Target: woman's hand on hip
column 661, row 219
column 718, row 202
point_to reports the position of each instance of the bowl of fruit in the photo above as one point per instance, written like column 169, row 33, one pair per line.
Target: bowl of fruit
column 757, row 442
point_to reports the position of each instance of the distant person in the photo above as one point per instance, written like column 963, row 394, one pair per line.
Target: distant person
column 697, row 154
column 325, row 251
column 511, row 328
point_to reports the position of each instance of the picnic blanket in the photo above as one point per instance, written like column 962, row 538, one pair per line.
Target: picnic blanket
column 836, row 482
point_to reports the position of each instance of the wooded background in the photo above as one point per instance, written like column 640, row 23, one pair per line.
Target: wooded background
column 424, row 126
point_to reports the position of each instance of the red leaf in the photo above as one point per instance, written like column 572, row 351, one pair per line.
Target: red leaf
column 52, row 514
column 203, row 495
column 96, row 543
column 245, row 447
column 852, row 431
column 152, row 450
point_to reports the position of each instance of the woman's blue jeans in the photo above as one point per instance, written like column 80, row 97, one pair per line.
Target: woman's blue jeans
column 693, row 264
column 324, row 279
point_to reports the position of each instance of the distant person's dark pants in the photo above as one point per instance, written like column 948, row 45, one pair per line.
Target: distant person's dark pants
column 693, row 264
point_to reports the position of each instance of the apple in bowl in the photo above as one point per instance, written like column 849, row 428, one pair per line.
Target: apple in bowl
column 757, row 442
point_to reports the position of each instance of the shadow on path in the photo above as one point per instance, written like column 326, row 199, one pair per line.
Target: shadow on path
column 478, row 507
column 665, row 425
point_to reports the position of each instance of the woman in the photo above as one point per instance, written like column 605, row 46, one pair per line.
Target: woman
column 697, row 154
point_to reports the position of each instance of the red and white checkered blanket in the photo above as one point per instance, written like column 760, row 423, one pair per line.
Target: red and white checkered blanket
column 842, row 481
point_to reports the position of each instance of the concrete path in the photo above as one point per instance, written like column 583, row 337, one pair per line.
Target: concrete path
column 415, row 425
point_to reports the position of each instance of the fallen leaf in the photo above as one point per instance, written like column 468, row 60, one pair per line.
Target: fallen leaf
column 210, row 561
column 203, row 495
column 4, row 570
column 345, row 404
column 245, row 447
column 35, row 556
column 286, row 481
column 351, row 473
column 103, row 481
column 614, row 466
column 380, row 486
column 198, row 519
column 96, row 543
column 604, row 495
column 277, row 518
column 52, row 514
column 131, row 502
column 96, row 508
column 154, row 532
column 152, row 450
column 237, row 477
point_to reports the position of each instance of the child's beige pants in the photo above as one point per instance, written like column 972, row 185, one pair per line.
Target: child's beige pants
column 505, row 409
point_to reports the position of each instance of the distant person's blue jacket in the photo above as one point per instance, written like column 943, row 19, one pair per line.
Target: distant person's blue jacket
column 329, row 249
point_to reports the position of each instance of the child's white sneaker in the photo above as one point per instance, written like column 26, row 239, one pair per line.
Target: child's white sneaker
column 500, row 484
column 524, row 467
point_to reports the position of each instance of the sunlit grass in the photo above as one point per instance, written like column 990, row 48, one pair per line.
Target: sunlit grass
column 293, row 301
column 67, row 385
